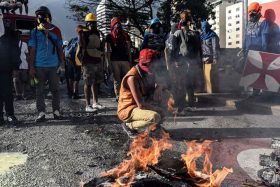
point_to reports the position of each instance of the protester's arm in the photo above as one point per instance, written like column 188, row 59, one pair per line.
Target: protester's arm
column 215, row 45
column 167, row 62
column 265, row 32
column 129, row 51
column 145, row 42
column 2, row 29
column 32, row 57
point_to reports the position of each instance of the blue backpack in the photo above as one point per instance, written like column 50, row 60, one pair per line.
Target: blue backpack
column 71, row 48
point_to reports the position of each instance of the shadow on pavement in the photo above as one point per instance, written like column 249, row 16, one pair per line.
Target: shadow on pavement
column 223, row 133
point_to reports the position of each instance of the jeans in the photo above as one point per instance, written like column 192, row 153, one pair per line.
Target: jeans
column 50, row 74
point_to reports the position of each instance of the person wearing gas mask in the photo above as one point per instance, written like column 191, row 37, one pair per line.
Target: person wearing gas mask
column 92, row 61
column 258, row 36
column 46, row 56
column 186, row 51
column 9, row 65
column 118, row 53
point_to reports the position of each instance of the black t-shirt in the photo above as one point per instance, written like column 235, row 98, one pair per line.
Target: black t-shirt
column 119, row 50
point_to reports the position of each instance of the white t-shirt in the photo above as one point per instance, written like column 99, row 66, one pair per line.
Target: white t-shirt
column 24, row 51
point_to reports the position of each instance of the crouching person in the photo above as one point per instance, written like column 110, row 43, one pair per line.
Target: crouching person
column 139, row 83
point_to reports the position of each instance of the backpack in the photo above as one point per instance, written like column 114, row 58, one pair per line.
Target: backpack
column 70, row 49
column 93, row 49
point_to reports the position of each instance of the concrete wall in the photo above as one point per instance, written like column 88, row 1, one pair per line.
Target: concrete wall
column 228, row 78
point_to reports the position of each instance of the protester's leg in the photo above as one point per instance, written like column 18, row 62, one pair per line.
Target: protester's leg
column 1, row 108
column 26, row 8
column 88, row 82
column 116, row 68
column 98, row 79
column 142, row 118
column 215, row 78
column 17, row 85
column 41, row 75
column 125, row 67
column 8, row 99
column 77, row 78
column 67, row 78
column 207, row 78
column 54, row 88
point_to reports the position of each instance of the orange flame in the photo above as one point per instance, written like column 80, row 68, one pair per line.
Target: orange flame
column 196, row 150
column 142, row 155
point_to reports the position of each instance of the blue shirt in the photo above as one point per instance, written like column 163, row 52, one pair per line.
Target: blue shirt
column 257, row 36
column 46, row 57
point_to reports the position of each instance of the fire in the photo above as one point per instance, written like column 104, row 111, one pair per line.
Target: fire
column 196, row 150
column 144, row 151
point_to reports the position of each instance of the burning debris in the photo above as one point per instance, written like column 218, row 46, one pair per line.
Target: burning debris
column 148, row 165
column 205, row 177
column 270, row 175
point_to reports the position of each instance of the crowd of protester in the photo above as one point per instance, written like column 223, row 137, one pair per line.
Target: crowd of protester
column 170, row 65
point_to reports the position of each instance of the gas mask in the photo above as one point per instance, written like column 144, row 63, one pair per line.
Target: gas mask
column 91, row 25
column 43, row 19
column 254, row 16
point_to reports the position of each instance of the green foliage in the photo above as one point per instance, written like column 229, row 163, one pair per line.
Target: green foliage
column 170, row 10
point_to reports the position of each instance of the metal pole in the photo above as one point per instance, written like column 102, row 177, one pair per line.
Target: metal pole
column 245, row 17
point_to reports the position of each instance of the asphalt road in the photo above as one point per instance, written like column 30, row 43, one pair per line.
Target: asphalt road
column 79, row 148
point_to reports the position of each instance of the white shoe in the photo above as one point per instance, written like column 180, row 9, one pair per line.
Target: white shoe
column 90, row 109
column 98, row 106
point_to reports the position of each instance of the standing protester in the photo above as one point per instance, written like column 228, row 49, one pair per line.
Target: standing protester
column 118, row 53
column 46, row 54
column 72, row 70
column 21, row 80
column 187, row 51
column 139, row 83
column 9, row 64
column 92, row 61
column 258, row 36
column 155, row 40
column 210, row 55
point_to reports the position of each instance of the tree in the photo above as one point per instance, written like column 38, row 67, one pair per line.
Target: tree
column 170, row 9
column 136, row 13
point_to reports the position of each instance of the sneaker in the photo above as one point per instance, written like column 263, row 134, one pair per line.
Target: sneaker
column 89, row 108
column 41, row 117
column 131, row 133
column 98, row 106
column 12, row 120
column 57, row 115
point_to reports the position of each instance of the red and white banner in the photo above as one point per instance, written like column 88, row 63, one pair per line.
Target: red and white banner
column 262, row 71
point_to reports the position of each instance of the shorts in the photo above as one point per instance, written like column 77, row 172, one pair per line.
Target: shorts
column 93, row 74
column 74, row 72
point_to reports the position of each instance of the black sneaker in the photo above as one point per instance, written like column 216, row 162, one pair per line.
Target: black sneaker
column 12, row 120
column 131, row 133
column 41, row 117
column 57, row 115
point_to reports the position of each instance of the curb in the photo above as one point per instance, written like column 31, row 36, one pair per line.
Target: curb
column 250, row 106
